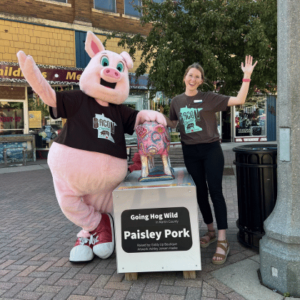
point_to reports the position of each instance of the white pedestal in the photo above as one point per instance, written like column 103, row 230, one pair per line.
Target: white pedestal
column 156, row 224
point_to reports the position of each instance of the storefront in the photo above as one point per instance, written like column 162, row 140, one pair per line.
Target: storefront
column 250, row 120
column 255, row 121
column 22, row 112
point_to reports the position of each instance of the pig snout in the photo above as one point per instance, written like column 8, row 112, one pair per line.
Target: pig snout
column 111, row 73
column 152, row 150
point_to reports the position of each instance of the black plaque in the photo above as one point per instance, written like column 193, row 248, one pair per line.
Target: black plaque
column 156, row 230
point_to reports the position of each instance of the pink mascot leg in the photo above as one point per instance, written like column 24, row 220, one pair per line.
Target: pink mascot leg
column 85, row 197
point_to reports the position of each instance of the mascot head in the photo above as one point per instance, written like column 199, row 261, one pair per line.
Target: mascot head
column 106, row 76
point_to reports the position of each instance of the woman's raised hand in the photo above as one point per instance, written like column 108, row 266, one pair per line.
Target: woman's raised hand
column 248, row 67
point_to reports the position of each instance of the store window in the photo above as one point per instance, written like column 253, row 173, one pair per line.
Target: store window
column 130, row 8
column 250, row 118
column 107, row 5
column 11, row 117
column 41, row 124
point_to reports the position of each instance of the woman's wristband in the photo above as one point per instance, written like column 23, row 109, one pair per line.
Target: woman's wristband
column 246, row 80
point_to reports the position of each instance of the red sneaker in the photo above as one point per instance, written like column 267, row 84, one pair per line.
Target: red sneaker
column 103, row 237
column 82, row 250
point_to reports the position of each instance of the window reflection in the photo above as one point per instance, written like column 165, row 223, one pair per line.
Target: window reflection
column 108, row 5
column 130, row 9
column 250, row 118
column 41, row 124
column 11, row 118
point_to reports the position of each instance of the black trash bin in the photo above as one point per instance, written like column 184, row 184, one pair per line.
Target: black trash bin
column 256, row 175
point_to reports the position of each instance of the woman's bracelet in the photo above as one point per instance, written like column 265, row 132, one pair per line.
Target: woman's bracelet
column 246, row 80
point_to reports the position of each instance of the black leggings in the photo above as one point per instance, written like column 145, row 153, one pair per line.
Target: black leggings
column 205, row 163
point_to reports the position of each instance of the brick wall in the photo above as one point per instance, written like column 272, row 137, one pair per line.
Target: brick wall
column 75, row 10
column 39, row 9
column 48, row 46
column 112, row 45
column 115, row 23
column 82, row 10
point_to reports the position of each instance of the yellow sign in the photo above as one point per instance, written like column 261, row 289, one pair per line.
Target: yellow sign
column 35, row 119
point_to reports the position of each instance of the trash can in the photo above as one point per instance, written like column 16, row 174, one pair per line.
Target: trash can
column 256, row 175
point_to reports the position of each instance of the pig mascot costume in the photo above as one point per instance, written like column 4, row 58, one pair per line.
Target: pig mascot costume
column 88, row 158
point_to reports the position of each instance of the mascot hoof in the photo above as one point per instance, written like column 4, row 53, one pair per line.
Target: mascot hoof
column 104, row 234
column 81, row 252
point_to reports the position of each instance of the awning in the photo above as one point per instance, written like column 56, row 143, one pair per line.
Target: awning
column 55, row 75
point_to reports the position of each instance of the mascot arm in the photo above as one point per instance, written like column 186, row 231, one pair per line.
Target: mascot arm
column 150, row 115
column 36, row 80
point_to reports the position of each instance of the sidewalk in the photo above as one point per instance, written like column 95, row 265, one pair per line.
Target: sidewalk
column 36, row 239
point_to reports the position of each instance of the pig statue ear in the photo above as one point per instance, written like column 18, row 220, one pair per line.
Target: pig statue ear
column 92, row 44
column 128, row 60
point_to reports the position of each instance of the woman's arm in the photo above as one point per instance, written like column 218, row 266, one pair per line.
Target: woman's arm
column 170, row 123
column 242, row 95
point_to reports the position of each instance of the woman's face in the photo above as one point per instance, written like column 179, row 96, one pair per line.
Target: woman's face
column 193, row 79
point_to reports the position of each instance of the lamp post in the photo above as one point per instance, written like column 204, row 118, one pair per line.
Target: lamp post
column 280, row 247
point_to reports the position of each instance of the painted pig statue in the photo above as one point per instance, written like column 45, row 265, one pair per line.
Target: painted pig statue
column 153, row 138
column 88, row 158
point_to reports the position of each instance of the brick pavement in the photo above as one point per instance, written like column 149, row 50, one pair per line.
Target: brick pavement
column 36, row 239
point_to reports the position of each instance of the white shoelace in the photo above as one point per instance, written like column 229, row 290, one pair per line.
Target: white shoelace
column 91, row 240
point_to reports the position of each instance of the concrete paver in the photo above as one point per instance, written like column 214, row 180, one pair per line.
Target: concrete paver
column 35, row 240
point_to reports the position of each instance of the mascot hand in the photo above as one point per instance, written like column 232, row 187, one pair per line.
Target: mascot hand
column 36, row 80
column 150, row 115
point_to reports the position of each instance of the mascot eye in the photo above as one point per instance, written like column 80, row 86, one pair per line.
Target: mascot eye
column 104, row 61
column 120, row 67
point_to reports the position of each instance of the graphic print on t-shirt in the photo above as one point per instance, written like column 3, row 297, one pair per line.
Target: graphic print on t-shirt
column 188, row 118
column 105, row 126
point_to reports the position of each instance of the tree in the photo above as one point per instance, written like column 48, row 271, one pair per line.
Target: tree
column 216, row 33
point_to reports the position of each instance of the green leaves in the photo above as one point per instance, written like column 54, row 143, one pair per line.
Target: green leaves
column 217, row 33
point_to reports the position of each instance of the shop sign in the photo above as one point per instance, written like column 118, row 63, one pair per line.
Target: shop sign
column 35, row 119
column 155, row 230
column 68, row 75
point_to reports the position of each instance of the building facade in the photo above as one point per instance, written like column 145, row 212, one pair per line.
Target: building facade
column 53, row 32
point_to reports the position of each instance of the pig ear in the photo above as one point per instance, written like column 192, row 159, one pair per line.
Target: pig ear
column 92, row 44
column 128, row 60
column 160, row 128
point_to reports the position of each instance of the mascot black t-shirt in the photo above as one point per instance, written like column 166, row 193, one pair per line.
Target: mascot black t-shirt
column 93, row 127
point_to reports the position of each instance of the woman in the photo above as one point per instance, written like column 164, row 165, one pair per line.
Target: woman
column 203, row 156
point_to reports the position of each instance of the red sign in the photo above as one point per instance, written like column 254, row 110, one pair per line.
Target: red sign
column 59, row 75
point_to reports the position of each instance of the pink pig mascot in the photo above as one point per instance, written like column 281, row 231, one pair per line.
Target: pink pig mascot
column 88, row 159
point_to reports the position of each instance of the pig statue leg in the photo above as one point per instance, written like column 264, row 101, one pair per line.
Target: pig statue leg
column 167, row 170
column 150, row 162
column 145, row 168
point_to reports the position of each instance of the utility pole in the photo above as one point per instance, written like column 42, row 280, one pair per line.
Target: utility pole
column 280, row 247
